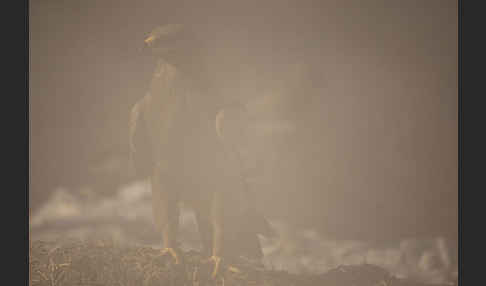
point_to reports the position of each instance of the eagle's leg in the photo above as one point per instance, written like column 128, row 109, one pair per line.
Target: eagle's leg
column 216, row 216
column 166, row 214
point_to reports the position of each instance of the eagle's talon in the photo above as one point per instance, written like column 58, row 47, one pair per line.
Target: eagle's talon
column 216, row 260
column 172, row 253
column 234, row 269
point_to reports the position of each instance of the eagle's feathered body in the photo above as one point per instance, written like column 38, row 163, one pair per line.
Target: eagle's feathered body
column 174, row 137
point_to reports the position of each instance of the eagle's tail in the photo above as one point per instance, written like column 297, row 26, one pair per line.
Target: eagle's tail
column 261, row 225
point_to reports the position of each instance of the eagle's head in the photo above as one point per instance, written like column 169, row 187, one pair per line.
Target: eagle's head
column 170, row 41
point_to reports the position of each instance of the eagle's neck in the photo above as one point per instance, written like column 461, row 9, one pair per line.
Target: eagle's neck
column 166, row 84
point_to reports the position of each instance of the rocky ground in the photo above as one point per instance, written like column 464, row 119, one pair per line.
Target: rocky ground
column 104, row 262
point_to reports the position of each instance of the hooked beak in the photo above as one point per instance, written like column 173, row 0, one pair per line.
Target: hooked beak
column 147, row 44
column 149, row 40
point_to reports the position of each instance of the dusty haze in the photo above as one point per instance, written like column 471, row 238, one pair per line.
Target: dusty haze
column 353, row 104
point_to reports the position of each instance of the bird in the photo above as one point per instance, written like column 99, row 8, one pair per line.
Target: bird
column 181, row 137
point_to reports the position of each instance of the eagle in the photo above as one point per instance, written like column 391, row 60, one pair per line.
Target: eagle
column 184, row 140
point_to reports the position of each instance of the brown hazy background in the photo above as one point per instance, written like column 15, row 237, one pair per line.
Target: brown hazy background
column 354, row 103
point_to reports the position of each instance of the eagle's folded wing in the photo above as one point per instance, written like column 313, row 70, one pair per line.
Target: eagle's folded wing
column 232, row 127
column 140, row 149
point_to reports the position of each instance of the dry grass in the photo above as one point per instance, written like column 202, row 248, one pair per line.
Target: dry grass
column 103, row 262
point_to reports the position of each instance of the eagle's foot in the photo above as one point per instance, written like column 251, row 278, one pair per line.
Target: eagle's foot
column 216, row 261
column 218, row 265
column 171, row 251
column 234, row 269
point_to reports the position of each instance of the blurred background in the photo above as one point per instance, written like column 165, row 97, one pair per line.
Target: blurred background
column 353, row 130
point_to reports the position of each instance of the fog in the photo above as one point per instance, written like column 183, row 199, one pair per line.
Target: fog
column 86, row 215
column 353, row 113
